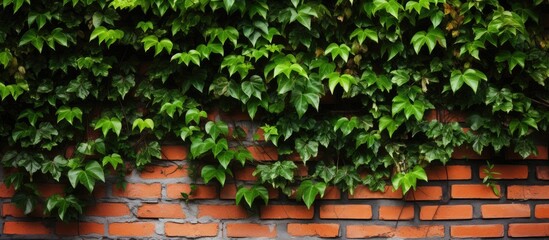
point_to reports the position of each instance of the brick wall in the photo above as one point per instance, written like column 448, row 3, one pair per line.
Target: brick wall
column 453, row 204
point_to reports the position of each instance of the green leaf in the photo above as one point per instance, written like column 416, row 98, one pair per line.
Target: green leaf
column 68, row 114
column 471, row 77
column 217, row 128
column 113, row 124
column 209, row 172
column 308, row 190
column 194, row 115
column 113, row 159
column 95, row 170
column 250, row 194
column 142, row 124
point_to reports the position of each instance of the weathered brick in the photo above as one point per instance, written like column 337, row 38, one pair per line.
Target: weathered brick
column 542, row 211
column 450, row 172
column 286, row 212
column 162, row 172
column 131, row 229
column 348, row 211
column 174, row 152
column 108, row 210
column 369, row 231
column 425, row 193
column 138, row 190
column 473, row 191
column 446, row 212
column 264, row 153
column 477, row 231
column 26, row 228
column 396, row 212
column 362, row 192
column 160, row 210
column 505, row 211
column 542, row 172
column 528, row 230
column 6, row 192
column 324, row 230
column 250, row 230
column 528, row 192
column 192, row 230
column 222, row 211
column 506, row 171
column 80, row 228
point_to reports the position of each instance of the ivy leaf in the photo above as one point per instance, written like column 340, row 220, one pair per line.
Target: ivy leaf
column 392, row 7
column 471, row 77
column 217, row 128
column 171, row 108
column 250, row 194
column 5, row 58
column 113, row 159
column 430, row 38
column 345, row 81
column 362, row 34
column 306, row 149
column 194, row 115
column 225, row 158
column 514, row 59
column 142, row 124
column 254, row 87
column 308, row 190
column 106, row 125
column 209, row 172
column 31, row 36
column 123, row 84
column 390, row 124
column 199, row 146
column 335, row 50
column 68, row 114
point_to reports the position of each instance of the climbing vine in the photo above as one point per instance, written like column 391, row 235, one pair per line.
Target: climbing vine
column 345, row 85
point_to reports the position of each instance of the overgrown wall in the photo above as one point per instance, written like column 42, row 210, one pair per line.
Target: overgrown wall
column 453, row 204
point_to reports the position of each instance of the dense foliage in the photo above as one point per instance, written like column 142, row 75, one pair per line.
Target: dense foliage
column 347, row 83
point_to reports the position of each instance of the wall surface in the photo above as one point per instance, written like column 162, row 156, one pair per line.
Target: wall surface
column 453, row 204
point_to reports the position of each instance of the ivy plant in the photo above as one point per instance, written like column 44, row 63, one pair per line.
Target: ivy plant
column 91, row 89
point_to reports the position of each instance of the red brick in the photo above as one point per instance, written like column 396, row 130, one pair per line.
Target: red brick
column 250, row 230
column 452, row 172
column 222, row 211
column 25, row 228
column 396, row 212
column 542, row 211
column 528, row 230
column 324, row 230
column 245, row 174
column 174, row 152
column 505, row 210
column 542, row 172
column 350, row 211
column 420, row 231
column 542, row 154
column 425, row 193
column 527, row 192
column 466, row 152
column 48, row 189
column 202, row 191
column 302, row 170
column 108, row 210
column 472, row 191
column 160, row 210
column 445, row 116
column 81, row 228
column 362, row 231
column 192, row 230
column 131, row 229
column 477, row 231
column 69, row 151
column 234, row 116
column 138, row 190
column 260, row 135
column 286, row 212
column 10, row 209
column 332, row 193
column 264, row 153
column 362, row 192
column 446, row 212
column 6, row 192
column 506, row 171
column 161, row 172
